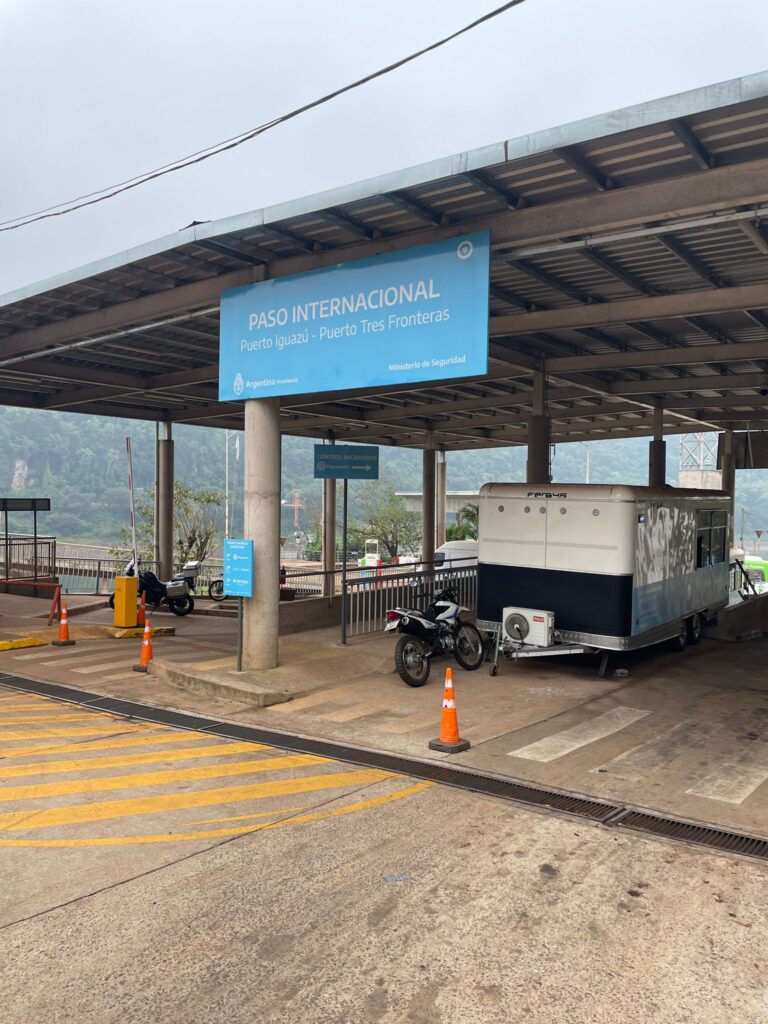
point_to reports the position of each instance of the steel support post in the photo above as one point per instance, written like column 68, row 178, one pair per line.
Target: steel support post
column 329, row 537
column 728, row 479
column 657, row 451
column 261, row 615
column 539, row 434
column 440, row 499
column 428, row 506
column 164, row 500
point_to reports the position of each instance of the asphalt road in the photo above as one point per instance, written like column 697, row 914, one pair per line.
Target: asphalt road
column 155, row 875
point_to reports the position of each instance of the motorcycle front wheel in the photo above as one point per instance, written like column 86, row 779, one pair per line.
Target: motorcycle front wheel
column 181, row 605
column 468, row 647
column 111, row 600
column 216, row 590
column 412, row 661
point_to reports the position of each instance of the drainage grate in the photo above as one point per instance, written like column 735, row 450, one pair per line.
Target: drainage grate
column 606, row 813
column 690, row 832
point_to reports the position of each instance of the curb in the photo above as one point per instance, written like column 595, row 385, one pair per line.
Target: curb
column 21, row 643
column 214, row 686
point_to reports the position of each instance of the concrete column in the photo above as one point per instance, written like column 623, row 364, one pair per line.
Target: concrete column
column 164, row 501
column 262, row 525
column 657, row 451
column 329, row 535
column 728, row 478
column 440, row 499
column 428, row 505
column 539, row 434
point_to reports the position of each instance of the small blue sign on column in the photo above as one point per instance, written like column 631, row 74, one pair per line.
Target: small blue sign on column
column 346, row 462
column 238, row 568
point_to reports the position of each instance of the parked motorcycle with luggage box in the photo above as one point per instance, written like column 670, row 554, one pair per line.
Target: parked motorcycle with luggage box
column 175, row 594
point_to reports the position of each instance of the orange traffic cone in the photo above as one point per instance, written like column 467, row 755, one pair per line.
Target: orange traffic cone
column 63, row 639
column 141, row 615
column 449, row 739
column 146, row 649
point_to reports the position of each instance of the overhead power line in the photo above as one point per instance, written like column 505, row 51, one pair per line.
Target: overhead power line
column 70, row 205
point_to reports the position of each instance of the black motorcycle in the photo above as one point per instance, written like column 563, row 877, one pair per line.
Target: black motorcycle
column 176, row 594
column 437, row 630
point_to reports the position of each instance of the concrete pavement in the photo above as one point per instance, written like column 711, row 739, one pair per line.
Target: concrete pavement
column 683, row 734
column 376, row 900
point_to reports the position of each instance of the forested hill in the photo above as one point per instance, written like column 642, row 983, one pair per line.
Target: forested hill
column 79, row 462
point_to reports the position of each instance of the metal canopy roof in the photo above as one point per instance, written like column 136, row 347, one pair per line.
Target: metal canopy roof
column 629, row 261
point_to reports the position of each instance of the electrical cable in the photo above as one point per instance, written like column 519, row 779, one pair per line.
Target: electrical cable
column 110, row 191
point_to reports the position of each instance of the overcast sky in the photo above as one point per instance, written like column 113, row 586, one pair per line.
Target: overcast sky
column 95, row 91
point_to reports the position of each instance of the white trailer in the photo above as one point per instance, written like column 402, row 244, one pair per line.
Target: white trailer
column 582, row 567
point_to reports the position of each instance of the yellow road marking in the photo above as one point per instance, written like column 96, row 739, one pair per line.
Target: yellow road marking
column 40, row 705
column 98, row 730
column 166, row 736
column 48, row 717
column 124, row 760
column 222, row 832
column 80, row 813
column 248, row 817
column 171, row 775
column 17, row 645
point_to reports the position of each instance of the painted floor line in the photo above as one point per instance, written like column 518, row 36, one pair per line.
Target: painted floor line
column 63, row 733
column 157, row 739
column 48, row 715
column 733, row 781
column 243, row 829
column 633, row 765
column 81, row 813
column 20, row 771
column 164, row 777
column 561, row 743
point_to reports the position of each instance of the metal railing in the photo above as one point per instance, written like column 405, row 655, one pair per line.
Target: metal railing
column 367, row 600
column 96, row 575
column 26, row 557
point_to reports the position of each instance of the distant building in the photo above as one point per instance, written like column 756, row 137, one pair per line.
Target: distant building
column 454, row 500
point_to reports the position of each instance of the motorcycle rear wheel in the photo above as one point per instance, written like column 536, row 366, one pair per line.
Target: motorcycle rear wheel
column 181, row 605
column 468, row 647
column 411, row 661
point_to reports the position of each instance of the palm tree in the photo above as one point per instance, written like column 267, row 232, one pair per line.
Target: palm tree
column 465, row 527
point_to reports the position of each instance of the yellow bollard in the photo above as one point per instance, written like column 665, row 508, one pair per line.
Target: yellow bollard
column 126, row 596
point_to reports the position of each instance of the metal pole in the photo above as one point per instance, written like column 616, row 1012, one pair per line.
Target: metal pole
column 7, row 549
column 239, row 634
column 344, row 568
column 226, row 483
column 34, row 543
column 133, row 506
column 156, row 530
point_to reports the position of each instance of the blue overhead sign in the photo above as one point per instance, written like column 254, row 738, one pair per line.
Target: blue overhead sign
column 238, row 568
column 414, row 315
column 346, row 462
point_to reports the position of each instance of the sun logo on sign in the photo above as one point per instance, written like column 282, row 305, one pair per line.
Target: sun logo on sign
column 239, row 384
column 464, row 249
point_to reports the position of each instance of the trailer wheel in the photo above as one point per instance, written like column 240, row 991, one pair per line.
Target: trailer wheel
column 680, row 642
column 694, row 629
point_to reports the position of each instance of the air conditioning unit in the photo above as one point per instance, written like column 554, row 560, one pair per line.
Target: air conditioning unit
column 528, row 626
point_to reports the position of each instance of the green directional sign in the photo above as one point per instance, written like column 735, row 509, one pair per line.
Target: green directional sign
column 346, row 462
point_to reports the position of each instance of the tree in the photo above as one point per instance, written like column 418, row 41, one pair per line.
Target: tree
column 196, row 517
column 383, row 515
column 465, row 527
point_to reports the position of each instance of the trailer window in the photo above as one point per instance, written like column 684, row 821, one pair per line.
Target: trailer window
column 710, row 538
column 719, row 537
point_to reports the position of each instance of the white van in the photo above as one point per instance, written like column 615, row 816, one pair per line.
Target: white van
column 456, row 554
